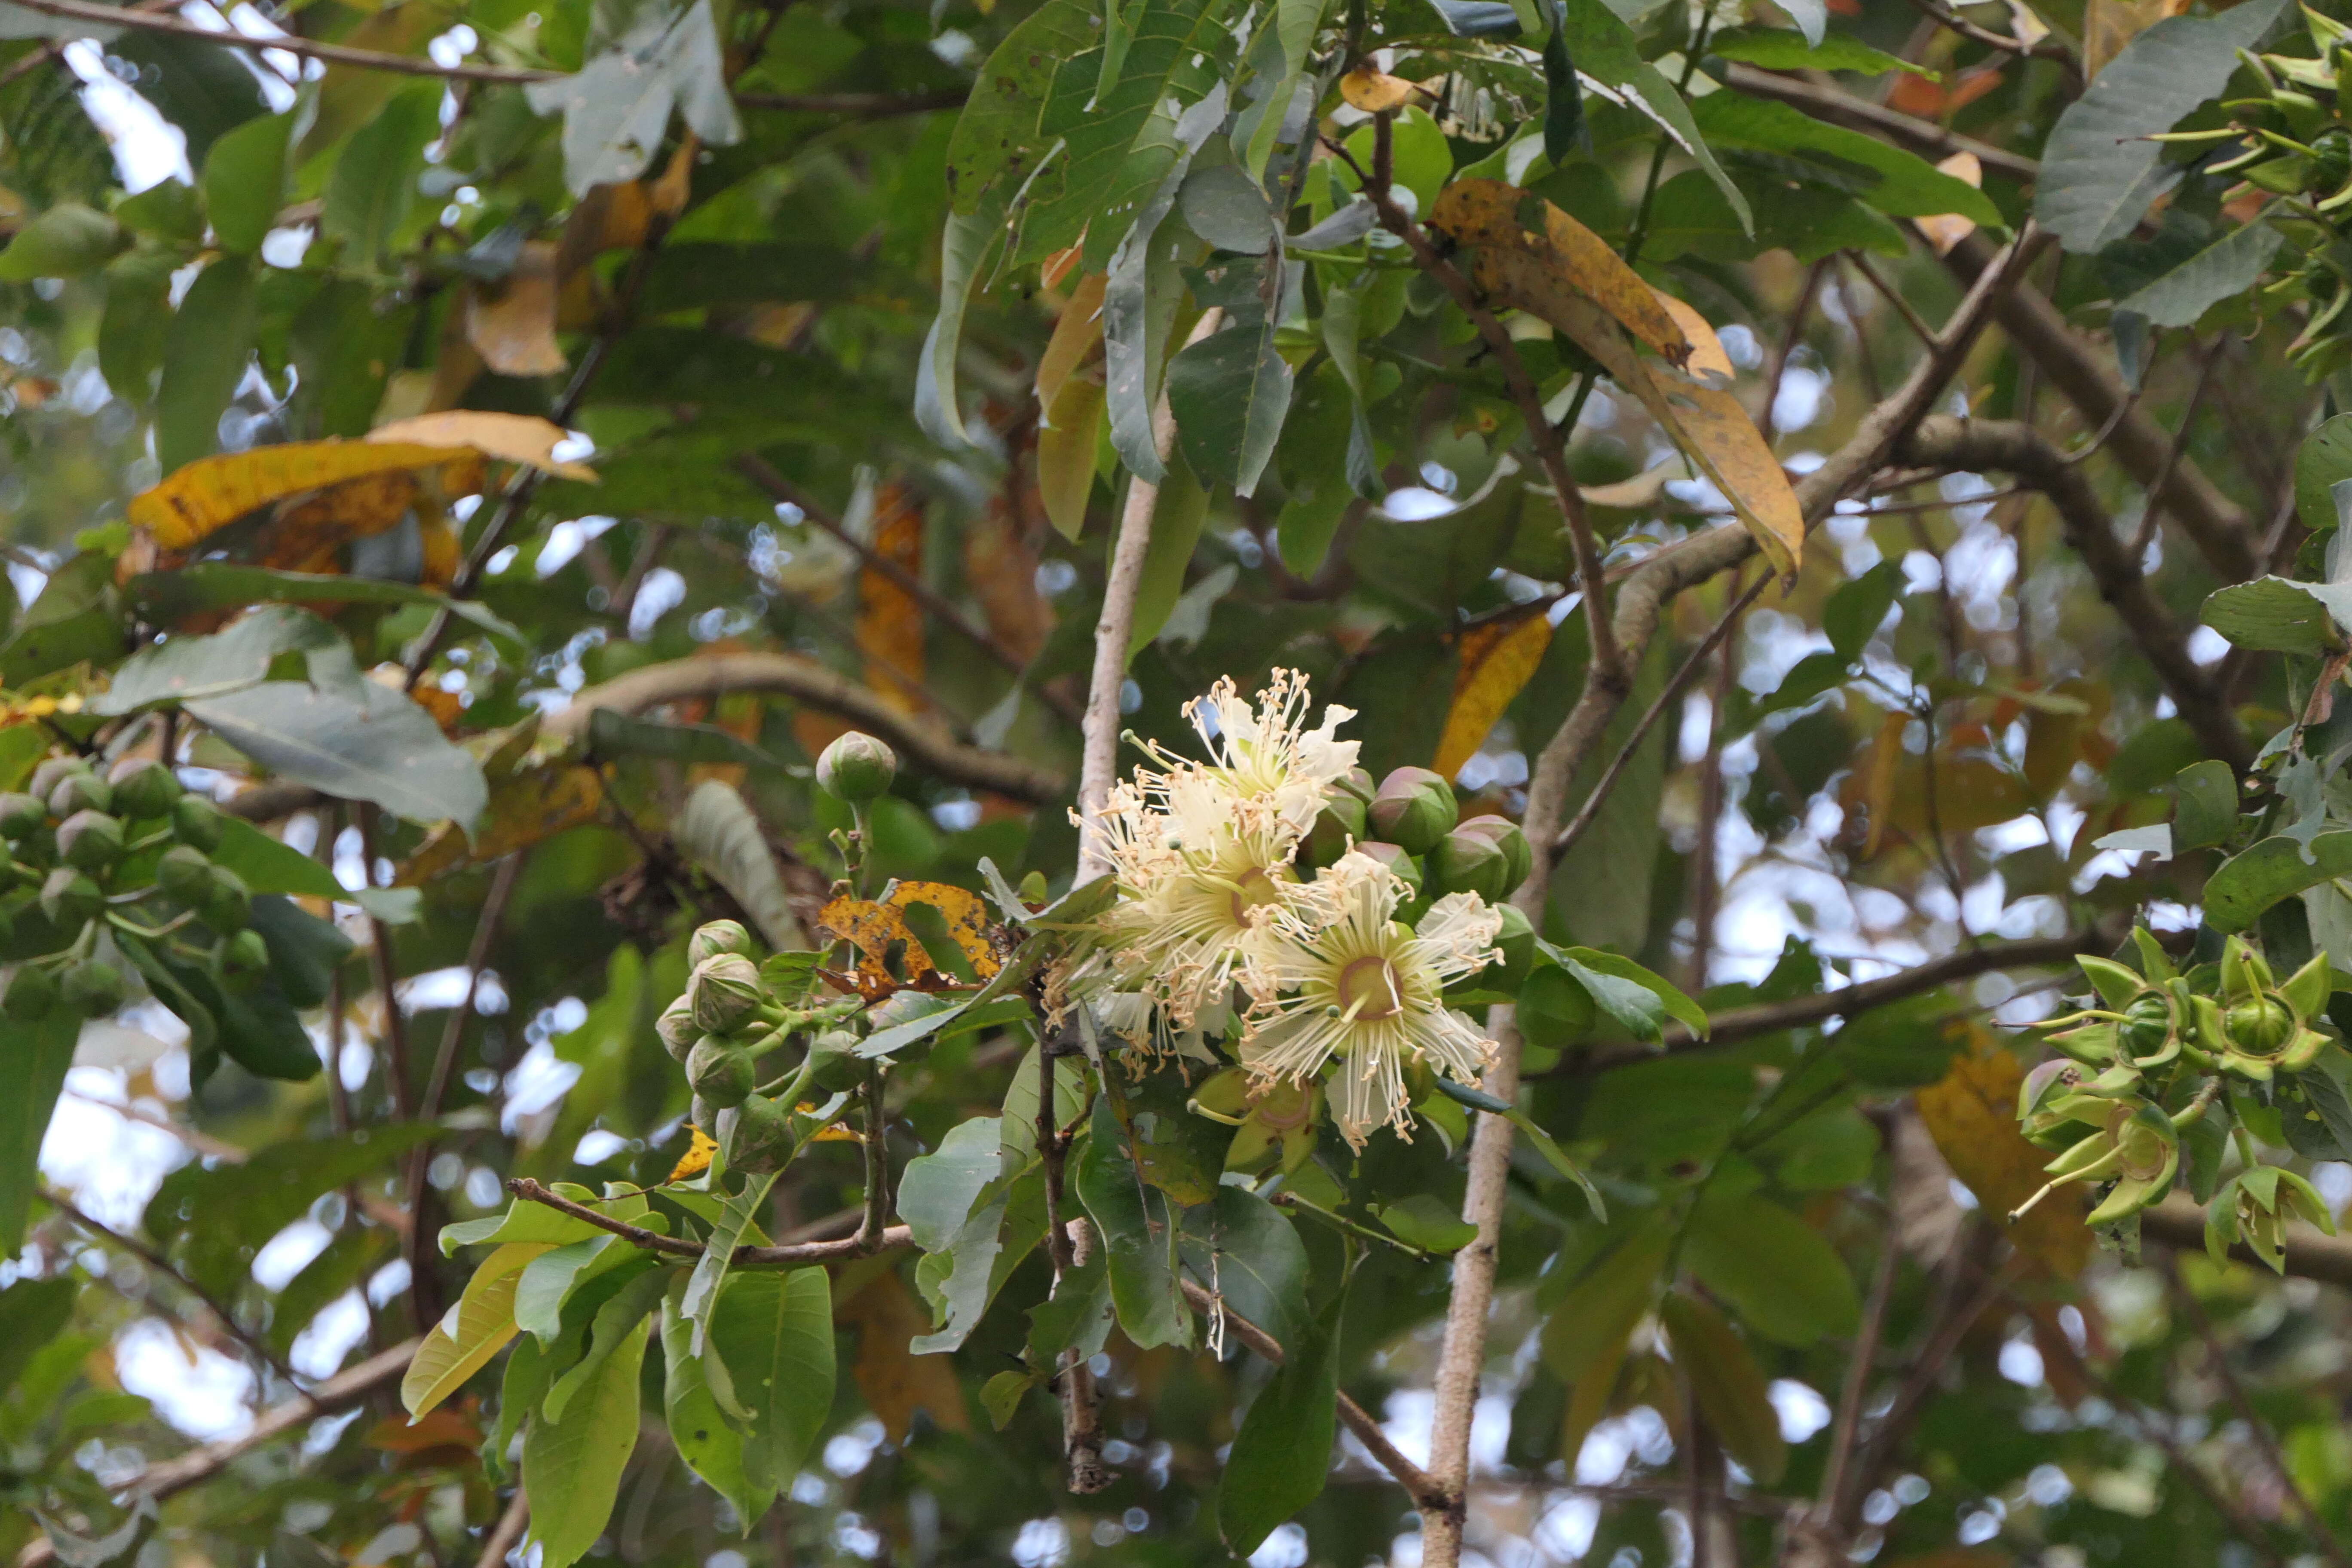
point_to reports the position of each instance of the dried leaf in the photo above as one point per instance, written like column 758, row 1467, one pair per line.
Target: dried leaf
column 897, row 1384
column 1001, row 566
column 1879, row 777
column 525, row 807
column 1707, row 357
column 523, row 439
column 512, row 324
column 1945, row 230
column 877, row 928
column 1497, row 662
column 1972, row 1115
column 1927, row 1219
column 1066, row 447
column 1077, row 338
column 1373, row 91
column 210, row 493
column 697, row 1158
column 1488, row 213
column 890, row 622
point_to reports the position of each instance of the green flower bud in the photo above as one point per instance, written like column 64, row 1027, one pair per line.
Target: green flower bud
column 79, row 792
column 718, row 937
column 55, row 771
column 90, row 840
column 143, row 788
column 1517, row 943
column 70, row 898
column 226, row 904
column 1356, row 782
column 1343, row 823
column 676, row 1027
column 184, row 873
column 721, row 1070
column 1396, row 860
column 31, row 993
column 1518, row 856
column 2146, row 1026
column 1467, row 862
column 837, row 1066
column 724, row 992
column 245, row 953
column 856, row 768
column 92, row 988
column 21, row 815
column 197, row 821
column 757, row 1135
column 705, row 1115
column 1415, row 809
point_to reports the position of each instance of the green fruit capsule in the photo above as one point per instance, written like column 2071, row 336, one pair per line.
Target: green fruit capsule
column 184, row 873
column 757, row 1136
column 717, row 939
column 196, row 821
column 245, row 953
column 1467, row 862
column 21, row 815
column 226, row 906
column 1518, row 856
column 703, row 1114
column 70, row 898
column 1341, row 823
column 79, row 792
column 676, row 1028
column 31, row 993
column 143, row 788
column 720, row 1071
column 90, row 840
column 856, row 768
column 1414, row 808
column 92, row 988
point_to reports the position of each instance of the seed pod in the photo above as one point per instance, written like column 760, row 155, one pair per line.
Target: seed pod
column 1519, row 855
column 32, row 992
column 721, row 1070
column 758, row 1136
column 724, row 992
column 54, row 771
column 79, row 792
column 245, row 953
column 1343, row 821
column 90, row 840
column 856, row 768
column 184, row 873
column 676, row 1027
column 21, row 815
column 197, row 821
column 718, row 938
column 92, row 988
column 70, row 898
column 226, row 905
column 1467, row 862
column 1414, row 808
column 1396, row 860
column 143, row 788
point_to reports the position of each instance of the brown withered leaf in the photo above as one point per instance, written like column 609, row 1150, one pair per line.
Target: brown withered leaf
column 1373, row 91
column 210, row 493
column 1497, row 662
column 1494, row 215
column 889, row 628
column 1000, row 565
column 511, row 323
column 1971, row 1112
column 878, row 928
column 895, row 1382
column 525, row 806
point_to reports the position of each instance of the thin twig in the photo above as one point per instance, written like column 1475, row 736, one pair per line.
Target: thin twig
column 745, row 1257
column 1892, row 296
column 166, row 1267
column 340, row 54
column 2152, row 510
column 477, row 953
column 1847, row 1427
column 506, row 1533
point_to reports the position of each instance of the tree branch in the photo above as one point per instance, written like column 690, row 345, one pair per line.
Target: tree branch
column 260, row 1353
column 746, row 1256
column 807, row 681
column 365, row 60
column 2179, row 1221
column 1922, row 136
column 506, row 1533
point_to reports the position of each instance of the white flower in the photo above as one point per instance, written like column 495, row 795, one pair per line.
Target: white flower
column 1339, row 978
column 1265, row 751
column 1196, row 915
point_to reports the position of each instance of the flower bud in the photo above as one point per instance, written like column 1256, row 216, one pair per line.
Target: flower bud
column 1518, row 856
column 836, row 1065
column 245, row 953
column 723, row 991
column 1403, row 865
column 79, row 792
column 184, row 873
column 703, row 1114
column 143, row 788
column 21, row 815
column 857, row 767
column 757, row 1135
column 718, row 936
column 1467, row 862
column 32, row 992
column 1517, row 943
column 676, row 1027
column 1343, row 822
column 93, row 987
column 196, row 820
column 90, row 840
column 226, row 904
column 1414, row 809
column 70, row 898
column 720, row 1071
column 53, row 771
column 1356, row 782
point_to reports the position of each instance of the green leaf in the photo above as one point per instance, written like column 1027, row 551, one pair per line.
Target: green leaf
column 215, row 1218
column 1729, row 1386
column 536, row 1221
column 1787, row 1282
column 965, row 247
column 617, row 107
column 205, row 357
column 184, row 668
column 1778, row 49
column 1807, row 679
column 166, row 210
column 1077, row 1316
column 31, row 1313
column 1563, row 120
column 1282, row 1454
column 32, row 1073
column 203, row 89
column 1427, row 1220
column 374, row 184
column 2224, row 269
column 270, row 865
column 2277, row 615
column 1140, row 300
column 1229, row 392
column 2251, row 881
column 463, row 1342
column 2323, row 461
column 997, row 140
column 1593, row 1320
column 1908, row 185
column 1604, row 51
column 355, row 742
column 619, row 1321
column 1246, row 1249
column 550, row 1279
column 1545, row 1144
column 1139, row 1233
column 954, row 1200
column 717, row 833
column 245, row 181
column 773, row 1331
column 616, row 734
column 571, row 1469
column 138, row 320
column 304, row 951
column 2099, row 170
column 225, row 584
column 1176, row 525
column 711, row 1447
column 354, row 1253
column 1856, row 608
column 2206, row 809
column 738, row 1219
column 66, row 241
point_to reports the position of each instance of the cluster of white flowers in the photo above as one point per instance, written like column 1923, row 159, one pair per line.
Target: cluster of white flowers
column 1210, row 902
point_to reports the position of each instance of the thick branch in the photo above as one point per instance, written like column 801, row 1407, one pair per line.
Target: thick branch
column 339, row 1392
column 2180, row 1221
column 1920, row 136
column 366, row 59
column 1946, row 442
column 807, row 681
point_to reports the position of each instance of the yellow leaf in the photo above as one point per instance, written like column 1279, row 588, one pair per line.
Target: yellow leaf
column 966, row 917
column 697, row 1158
column 513, row 323
column 1707, row 357
column 1971, row 1113
column 525, row 807
column 1488, row 214
column 889, row 628
column 210, row 493
column 523, row 439
column 1879, row 777
column 1066, row 445
column 877, row 928
column 1374, row 92
column 1077, row 334
column 1497, row 661
column 472, row 1331
column 1945, row 230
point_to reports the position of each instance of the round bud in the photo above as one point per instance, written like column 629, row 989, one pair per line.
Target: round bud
column 79, row 792
column 21, row 815
column 197, row 821
column 718, row 937
column 54, row 771
column 1518, row 855
column 226, row 906
column 857, row 767
column 93, row 987
column 184, row 873
column 1517, row 943
column 1357, row 782
column 676, row 1027
column 720, row 1071
column 1342, row 822
column 143, row 788
column 724, row 992
column 31, row 993
column 1396, row 860
column 834, row 1057
column 245, row 953
column 703, row 1114
column 70, row 898
column 90, row 840
column 1466, row 862
column 758, row 1136
column 1415, row 809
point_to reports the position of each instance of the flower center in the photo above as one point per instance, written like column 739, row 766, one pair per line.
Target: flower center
column 1254, row 888
column 1368, row 990
column 2259, row 1026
